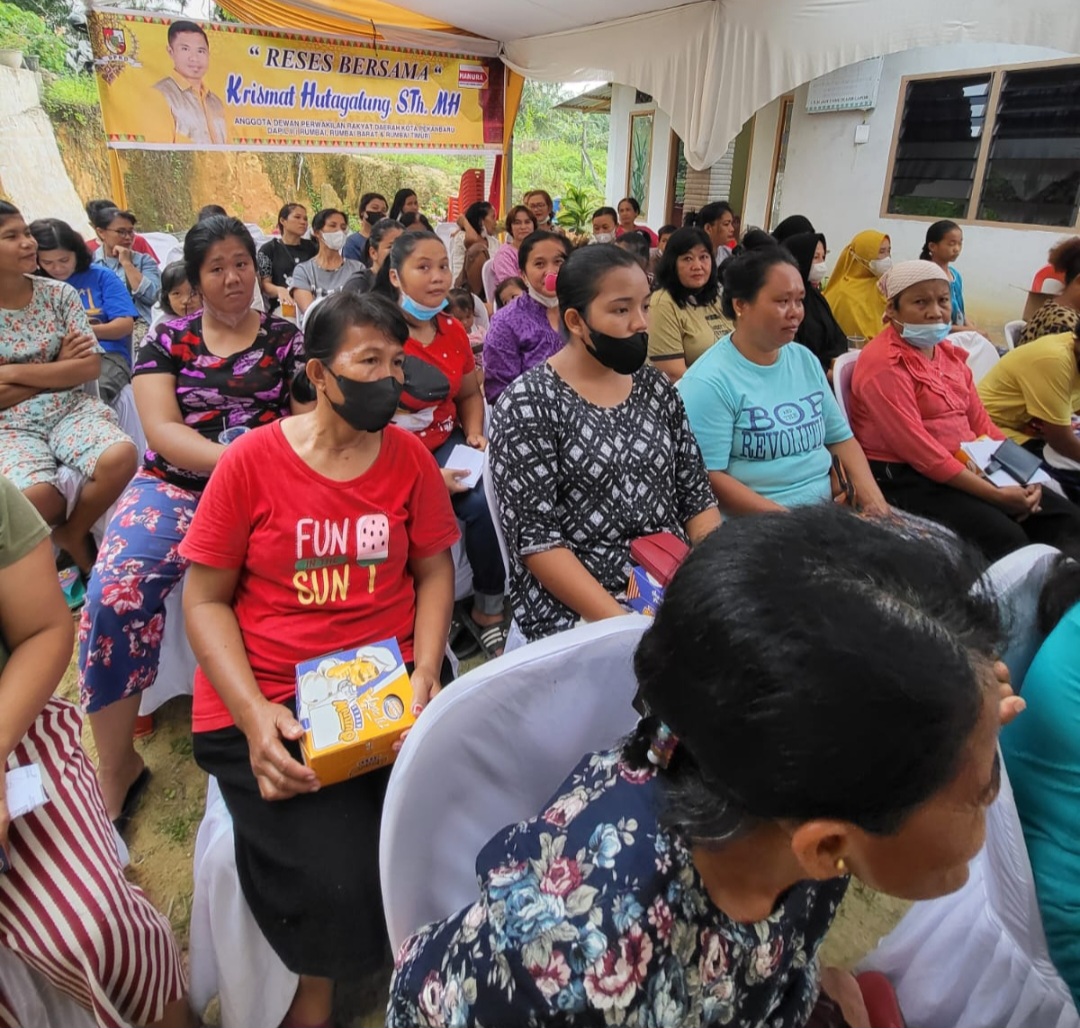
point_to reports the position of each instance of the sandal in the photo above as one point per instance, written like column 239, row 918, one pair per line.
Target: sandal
column 492, row 638
column 462, row 639
column 131, row 801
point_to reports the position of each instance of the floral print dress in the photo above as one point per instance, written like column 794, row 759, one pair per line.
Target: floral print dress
column 592, row 914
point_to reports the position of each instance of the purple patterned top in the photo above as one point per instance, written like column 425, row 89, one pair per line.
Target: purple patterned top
column 520, row 337
column 247, row 389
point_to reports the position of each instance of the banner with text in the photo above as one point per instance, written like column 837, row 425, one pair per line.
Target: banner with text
column 172, row 84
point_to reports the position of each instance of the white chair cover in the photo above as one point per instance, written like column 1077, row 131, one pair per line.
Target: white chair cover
column 1013, row 331
column 488, row 752
column 35, row 1001
column 229, row 955
column 1059, row 460
column 514, row 639
column 982, row 355
column 487, row 276
column 842, row 370
column 480, row 312
column 978, row 958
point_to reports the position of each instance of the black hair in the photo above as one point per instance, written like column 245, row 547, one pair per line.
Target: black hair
column 399, row 201
column 794, row 225
column 379, row 230
column 513, row 213
column 814, row 665
column 203, row 234
column 710, row 213
column 54, row 234
column 513, row 280
column 103, row 217
column 682, row 241
column 475, row 214
column 410, row 218
column 365, row 199
column 935, row 234
column 534, row 239
column 176, row 27
column 580, row 277
column 286, row 211
column 211, row 210
column 172, row 277
column 633, row 203
column 325, row 330
column 8, row 210
column 637, row 243
column 666, row 230
column 1065, row 258
column 756, row 239
column 323, row 216
column 97, row 205
column 610, row 212
column 745, row 274
column 460, row 298
column 403, row 247
column 1060, row 593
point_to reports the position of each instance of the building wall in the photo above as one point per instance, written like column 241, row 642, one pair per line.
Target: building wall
column 840, row 185
column 622, row 106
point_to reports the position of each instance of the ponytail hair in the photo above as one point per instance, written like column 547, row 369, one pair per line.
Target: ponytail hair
column 935, row 234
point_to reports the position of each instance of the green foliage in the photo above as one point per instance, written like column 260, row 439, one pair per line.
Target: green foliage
column 52, row 12
column 26, row 31
column 576, row 209
column 74, row 98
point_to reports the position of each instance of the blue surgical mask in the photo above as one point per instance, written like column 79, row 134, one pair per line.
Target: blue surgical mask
column 925, row 336
column 418, row 310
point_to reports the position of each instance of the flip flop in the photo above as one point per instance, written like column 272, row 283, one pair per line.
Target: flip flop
column 131, row 801
column 492, row 638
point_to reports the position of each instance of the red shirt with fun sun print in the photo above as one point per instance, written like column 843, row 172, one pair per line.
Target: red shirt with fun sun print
column 323, row 564
column 450, row 358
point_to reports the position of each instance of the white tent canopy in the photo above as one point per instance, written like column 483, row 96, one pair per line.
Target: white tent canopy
column 713, row 64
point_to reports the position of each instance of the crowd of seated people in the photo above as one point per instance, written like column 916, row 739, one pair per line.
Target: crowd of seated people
column 630, row 384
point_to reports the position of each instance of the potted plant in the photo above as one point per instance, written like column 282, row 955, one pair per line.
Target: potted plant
column 12, row 47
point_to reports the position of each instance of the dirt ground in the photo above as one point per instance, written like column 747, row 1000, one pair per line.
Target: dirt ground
column 162, row 846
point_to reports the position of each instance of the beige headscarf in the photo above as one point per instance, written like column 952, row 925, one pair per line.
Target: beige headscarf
column 909, row 273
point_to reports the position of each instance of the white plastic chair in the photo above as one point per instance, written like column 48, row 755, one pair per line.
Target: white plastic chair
column 978, row 958
column 487, row 276
column 514, row 639
column 1013, row 331
column 982, row 355
column 490, row 751
column 842, row 370
column 166, row 246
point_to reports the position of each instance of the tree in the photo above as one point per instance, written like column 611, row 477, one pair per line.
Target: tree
column 53, row 12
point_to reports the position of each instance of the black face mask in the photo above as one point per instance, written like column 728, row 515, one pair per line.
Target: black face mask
column 623, row 354
column 367, row 406
column 374, row 217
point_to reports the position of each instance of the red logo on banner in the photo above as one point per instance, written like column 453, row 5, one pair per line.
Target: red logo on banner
column 473, row 76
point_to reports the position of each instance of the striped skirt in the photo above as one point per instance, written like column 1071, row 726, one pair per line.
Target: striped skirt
column 66, row 908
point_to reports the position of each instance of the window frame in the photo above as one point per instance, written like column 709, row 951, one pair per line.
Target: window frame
column 997, row 75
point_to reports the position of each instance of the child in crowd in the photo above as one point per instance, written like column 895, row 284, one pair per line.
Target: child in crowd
column 178, row 297
column 460, row 305
column 509, row 289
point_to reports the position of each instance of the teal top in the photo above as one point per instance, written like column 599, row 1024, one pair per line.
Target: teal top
column 956, row 294
column 1042, row 755
column 766, row 426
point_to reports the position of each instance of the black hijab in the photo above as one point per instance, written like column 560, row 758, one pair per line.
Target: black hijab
column 796, row 225
column 819, row 331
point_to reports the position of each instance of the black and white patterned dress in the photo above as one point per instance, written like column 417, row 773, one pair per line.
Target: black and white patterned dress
column 592, row 479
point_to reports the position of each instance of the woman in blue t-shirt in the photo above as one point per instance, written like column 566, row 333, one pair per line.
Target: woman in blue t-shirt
column 1042, row 755
column 63, row 255
column 760, row 405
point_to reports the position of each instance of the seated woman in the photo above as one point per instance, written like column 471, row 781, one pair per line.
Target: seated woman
column 690, row 875
column 852, row 292
column 279, row 257
column 526, row 333
column 104, row 946
column 309, row 867
column 819, row 332
column 760, row 405
column 137, row 271
column 1062, row 313
column 629, row 210
column 381, row 242
column 405, row 202
column 328, row 272
column 63, row 256
column 913, row 402
column 944, row 242
column 442, row 404
column 480, row 226
column 793, row 225
column 520, row 224
column 372, row 209
column 1042, row 755
column 591, row 450
column 1033, row 393
column 225, row 368
column 686, row 316
column 47, row 354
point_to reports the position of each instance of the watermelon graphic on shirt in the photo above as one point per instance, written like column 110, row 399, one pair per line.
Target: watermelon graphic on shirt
column 372, row 544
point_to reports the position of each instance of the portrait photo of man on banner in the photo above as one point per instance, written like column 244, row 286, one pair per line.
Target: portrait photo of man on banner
column 198, row 114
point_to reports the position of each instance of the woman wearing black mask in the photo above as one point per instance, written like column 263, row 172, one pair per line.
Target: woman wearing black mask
column 591, row 450
column 347, row 543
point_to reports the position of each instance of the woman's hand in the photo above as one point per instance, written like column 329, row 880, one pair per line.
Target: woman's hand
column 123, row 255
column 452, row 477
column 75, row 345
column 425, row 686
column 842, row 988
column 875, row 507
column 477, row 442
column 280, row 777
column 1011, row 705
column 1019, row 501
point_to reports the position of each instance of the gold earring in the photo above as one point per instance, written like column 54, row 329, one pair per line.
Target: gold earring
column 841, row 866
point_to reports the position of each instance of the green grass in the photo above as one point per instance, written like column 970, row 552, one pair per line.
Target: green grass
column 71, row 98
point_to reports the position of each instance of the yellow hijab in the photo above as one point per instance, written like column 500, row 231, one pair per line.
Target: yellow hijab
column 852, row 291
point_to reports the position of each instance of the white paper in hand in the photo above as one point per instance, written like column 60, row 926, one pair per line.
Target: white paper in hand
column 24, row 790
column 465, row 458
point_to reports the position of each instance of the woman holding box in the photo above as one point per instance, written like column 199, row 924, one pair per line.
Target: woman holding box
column 282, row 571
